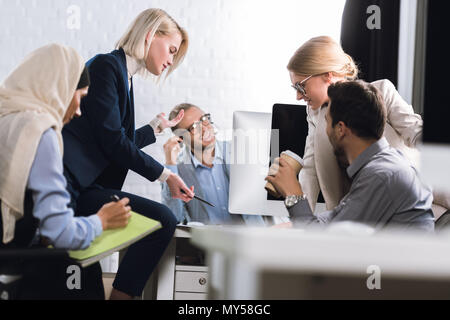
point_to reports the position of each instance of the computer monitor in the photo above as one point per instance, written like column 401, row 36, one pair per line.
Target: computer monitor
column 289, row 129
column 258, row 138
column 435, row 152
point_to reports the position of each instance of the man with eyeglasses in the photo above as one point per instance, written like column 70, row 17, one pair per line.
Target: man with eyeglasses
column 202, row 162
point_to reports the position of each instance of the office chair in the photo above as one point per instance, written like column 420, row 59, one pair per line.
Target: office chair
column 25, row 270
column 18, row 257
column 40, row 273
column 17, row 277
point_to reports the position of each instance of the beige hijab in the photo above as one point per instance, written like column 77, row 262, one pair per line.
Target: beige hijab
column 33, row 98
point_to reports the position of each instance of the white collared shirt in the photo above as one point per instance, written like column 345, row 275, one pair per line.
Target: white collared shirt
column 133, row 67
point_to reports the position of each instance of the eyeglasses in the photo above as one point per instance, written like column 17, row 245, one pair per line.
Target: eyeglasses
column 300, row 86
column 204, row 120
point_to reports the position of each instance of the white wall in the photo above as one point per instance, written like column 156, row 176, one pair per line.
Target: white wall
column 237, row 59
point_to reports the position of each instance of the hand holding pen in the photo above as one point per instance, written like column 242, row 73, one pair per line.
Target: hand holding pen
column 201, row 200
column 178, row 188
column 115, row 214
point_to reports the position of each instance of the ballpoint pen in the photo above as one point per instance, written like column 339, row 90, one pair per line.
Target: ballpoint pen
column 115, row 198
column 200, row 199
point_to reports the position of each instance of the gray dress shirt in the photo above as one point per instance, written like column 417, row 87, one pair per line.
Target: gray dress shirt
column 386, row 191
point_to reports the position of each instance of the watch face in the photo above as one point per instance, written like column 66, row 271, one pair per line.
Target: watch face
column 290, row 201
column 293, row 200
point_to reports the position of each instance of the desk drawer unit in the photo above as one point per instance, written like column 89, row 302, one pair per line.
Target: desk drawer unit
column 191, row 283
column 190, row 296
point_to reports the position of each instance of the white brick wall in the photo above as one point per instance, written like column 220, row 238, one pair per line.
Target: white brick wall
column 237, row 59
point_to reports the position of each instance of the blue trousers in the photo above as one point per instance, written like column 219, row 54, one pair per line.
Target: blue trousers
column 143, row 256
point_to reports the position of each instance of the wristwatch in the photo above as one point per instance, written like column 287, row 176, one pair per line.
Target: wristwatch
column 291, row 201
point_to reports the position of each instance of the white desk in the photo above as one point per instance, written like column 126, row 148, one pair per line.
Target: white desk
column 294, row 264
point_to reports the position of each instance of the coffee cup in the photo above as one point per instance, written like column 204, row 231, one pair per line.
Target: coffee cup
column 294, row 160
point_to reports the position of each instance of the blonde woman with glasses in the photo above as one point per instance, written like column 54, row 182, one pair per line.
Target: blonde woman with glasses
column 316, row 65
column 103, row 144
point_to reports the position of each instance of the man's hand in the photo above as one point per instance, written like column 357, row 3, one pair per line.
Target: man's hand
column 115, row 215
column 176, row 184
column 172, row 150
column 284, row 179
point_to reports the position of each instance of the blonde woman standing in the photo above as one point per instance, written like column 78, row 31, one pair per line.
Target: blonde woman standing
column 316, row 65
column 103, row 144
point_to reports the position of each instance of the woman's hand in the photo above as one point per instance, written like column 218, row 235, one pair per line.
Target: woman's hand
column 284, row 179
column 115, row 215
column 163, row 123
column 178, row 188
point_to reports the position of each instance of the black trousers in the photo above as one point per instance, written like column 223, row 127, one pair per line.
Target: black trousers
column 142, row 257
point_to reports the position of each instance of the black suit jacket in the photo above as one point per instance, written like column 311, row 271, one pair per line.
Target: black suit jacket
column 102, row 145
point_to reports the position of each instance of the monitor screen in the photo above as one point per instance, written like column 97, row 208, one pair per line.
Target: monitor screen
column 289, row 131
column 290, row 123
column 435, row 152
column 436, row 104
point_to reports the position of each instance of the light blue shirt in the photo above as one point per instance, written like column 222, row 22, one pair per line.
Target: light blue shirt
column 211, row 184
column 217, row 190
column 48, row 186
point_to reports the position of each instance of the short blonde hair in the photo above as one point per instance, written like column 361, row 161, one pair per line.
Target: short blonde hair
column 155, row 22
column 321, row 55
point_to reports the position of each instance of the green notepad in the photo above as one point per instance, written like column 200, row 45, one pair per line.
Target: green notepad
column 111, row 241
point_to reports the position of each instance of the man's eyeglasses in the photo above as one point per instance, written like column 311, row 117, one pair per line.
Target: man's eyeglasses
column 300, row 86
column 204, row 120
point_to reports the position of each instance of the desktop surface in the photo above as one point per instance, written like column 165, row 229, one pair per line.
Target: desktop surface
column 252, row 263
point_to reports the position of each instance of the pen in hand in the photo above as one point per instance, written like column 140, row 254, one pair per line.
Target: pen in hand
column 115, row 198
column 200, row 199
column 115, row 214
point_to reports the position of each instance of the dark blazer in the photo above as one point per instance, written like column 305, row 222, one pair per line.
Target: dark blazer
column 102, row 145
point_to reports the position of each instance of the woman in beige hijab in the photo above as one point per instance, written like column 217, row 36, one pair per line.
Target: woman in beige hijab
column 41, row 95
column 36, row 100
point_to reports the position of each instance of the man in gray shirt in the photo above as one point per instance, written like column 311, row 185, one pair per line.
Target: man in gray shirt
column 385, row 190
